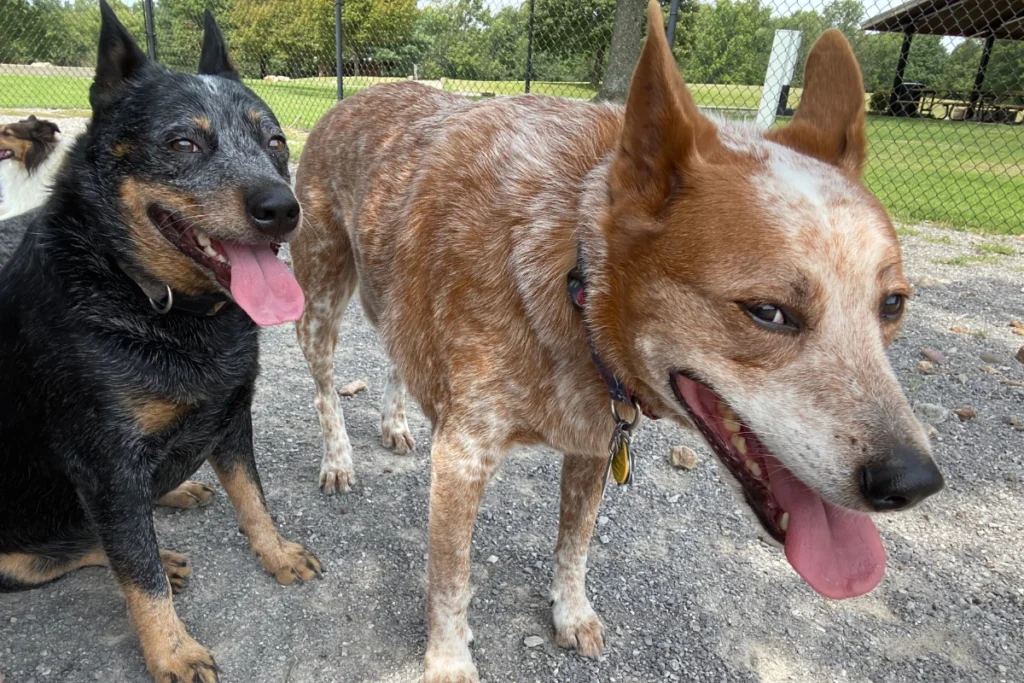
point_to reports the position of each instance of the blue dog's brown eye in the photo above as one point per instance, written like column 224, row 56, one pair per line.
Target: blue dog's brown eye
column 184, row 145
column 277, row 143
column 892, row 307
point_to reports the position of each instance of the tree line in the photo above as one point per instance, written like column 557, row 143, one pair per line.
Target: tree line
column 723, row 41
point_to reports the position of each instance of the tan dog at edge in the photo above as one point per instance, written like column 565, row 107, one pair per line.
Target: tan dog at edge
column 743, row 283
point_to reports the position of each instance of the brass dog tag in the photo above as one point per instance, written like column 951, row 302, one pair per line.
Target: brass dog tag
column 620, row 459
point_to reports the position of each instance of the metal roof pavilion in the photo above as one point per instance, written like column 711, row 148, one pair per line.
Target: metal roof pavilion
column 987, row 19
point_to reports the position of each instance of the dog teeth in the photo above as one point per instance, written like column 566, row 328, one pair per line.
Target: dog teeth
column 739, row 443
column 725, row 411
column 202, row 240
column 754, row 468
column 731, row 425
column 784, row 521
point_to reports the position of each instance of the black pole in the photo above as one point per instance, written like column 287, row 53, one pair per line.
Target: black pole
column 673, row 16
column 895, row 108
column 529, row 49
column 338, row 64
column 147, row 12
column 979, row 77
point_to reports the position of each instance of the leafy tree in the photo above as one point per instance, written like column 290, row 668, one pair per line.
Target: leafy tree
column 573, row 28
column 1005, row 68
column 731, row 43
column 179, row 29
column 962, row 65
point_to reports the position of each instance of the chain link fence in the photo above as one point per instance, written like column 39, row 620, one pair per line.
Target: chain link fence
column 944, row 79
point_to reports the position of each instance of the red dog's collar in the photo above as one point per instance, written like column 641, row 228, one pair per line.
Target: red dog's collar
column 576, row 286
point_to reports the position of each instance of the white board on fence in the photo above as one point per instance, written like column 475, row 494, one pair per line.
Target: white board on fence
column 781, row 66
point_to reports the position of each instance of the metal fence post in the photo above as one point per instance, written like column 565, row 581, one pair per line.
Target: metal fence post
column 338, row 63
column 147, row 11
column 529, row 49
column 673, row 17
column 895, row 108
column 979, row 77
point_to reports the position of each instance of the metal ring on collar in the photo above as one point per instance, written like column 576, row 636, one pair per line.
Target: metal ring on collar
column 630, row 424
column 166, row 307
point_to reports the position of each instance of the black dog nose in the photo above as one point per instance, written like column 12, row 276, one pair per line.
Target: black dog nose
column 274, row 210
column 905, row 479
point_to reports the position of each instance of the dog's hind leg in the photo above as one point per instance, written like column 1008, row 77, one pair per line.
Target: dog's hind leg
column 576, row 623
column 326, row 271
column 394, row 428
column 21, row 571
column 191, row 494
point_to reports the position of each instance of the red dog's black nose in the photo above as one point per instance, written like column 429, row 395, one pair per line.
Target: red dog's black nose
column 906, row 478
column 274, row 210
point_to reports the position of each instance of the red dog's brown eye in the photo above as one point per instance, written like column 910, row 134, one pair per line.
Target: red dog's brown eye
column 892, row 307
column 772, row 317
column 184, row 145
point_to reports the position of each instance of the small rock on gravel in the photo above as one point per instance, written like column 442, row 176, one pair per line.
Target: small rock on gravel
column 925, row 366
column 930, row 412
column 533, row 641
column 992, row 357
column 352, row 388
column 933, row 355
column 683, row 457
column 1020, row 354
column 966, row 413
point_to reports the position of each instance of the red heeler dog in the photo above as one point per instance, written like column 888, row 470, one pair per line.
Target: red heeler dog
column 525, row 258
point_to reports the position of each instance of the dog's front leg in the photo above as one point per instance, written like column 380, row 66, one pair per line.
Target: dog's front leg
column 120, row 503
column 459, row 473
column 576, row 623
column 235, row 465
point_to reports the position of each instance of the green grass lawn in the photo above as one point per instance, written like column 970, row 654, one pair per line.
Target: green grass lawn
column 963, row 175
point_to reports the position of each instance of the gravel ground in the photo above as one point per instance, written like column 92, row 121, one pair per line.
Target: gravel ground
column 686, row 589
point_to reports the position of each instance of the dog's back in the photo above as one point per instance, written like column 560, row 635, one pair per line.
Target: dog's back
column 424, row 179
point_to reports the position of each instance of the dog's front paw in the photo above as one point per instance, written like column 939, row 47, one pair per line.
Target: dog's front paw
column 177, row 569
column 578, row 626
column 450, row 666
column 183, row 661
column 191, row 494
column 337, row 474
column 290, row 562
column 396, row 436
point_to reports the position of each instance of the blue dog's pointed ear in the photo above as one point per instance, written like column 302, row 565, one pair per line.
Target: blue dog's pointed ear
column 118, row 60
column 214, row 60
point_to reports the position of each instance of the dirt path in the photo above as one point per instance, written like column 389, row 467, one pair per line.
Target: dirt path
column 686, row 590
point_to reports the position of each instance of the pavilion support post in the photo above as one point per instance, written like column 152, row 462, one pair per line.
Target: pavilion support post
column 979, row 77
column 895, row 107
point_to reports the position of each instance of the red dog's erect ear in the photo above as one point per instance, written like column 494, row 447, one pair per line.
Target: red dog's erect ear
column 829, row 122
column 662, row 127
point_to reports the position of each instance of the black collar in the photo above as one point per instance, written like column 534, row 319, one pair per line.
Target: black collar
column 163, row 299
column 618, row 391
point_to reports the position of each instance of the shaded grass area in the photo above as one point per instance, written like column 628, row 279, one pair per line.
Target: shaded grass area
column 962, row 175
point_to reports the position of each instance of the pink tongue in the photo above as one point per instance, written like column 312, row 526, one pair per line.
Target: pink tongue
column 837, row 551
column 262, row 285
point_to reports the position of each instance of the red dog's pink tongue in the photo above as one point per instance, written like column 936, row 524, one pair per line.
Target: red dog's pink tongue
column 262, row 285
column 837, row 551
